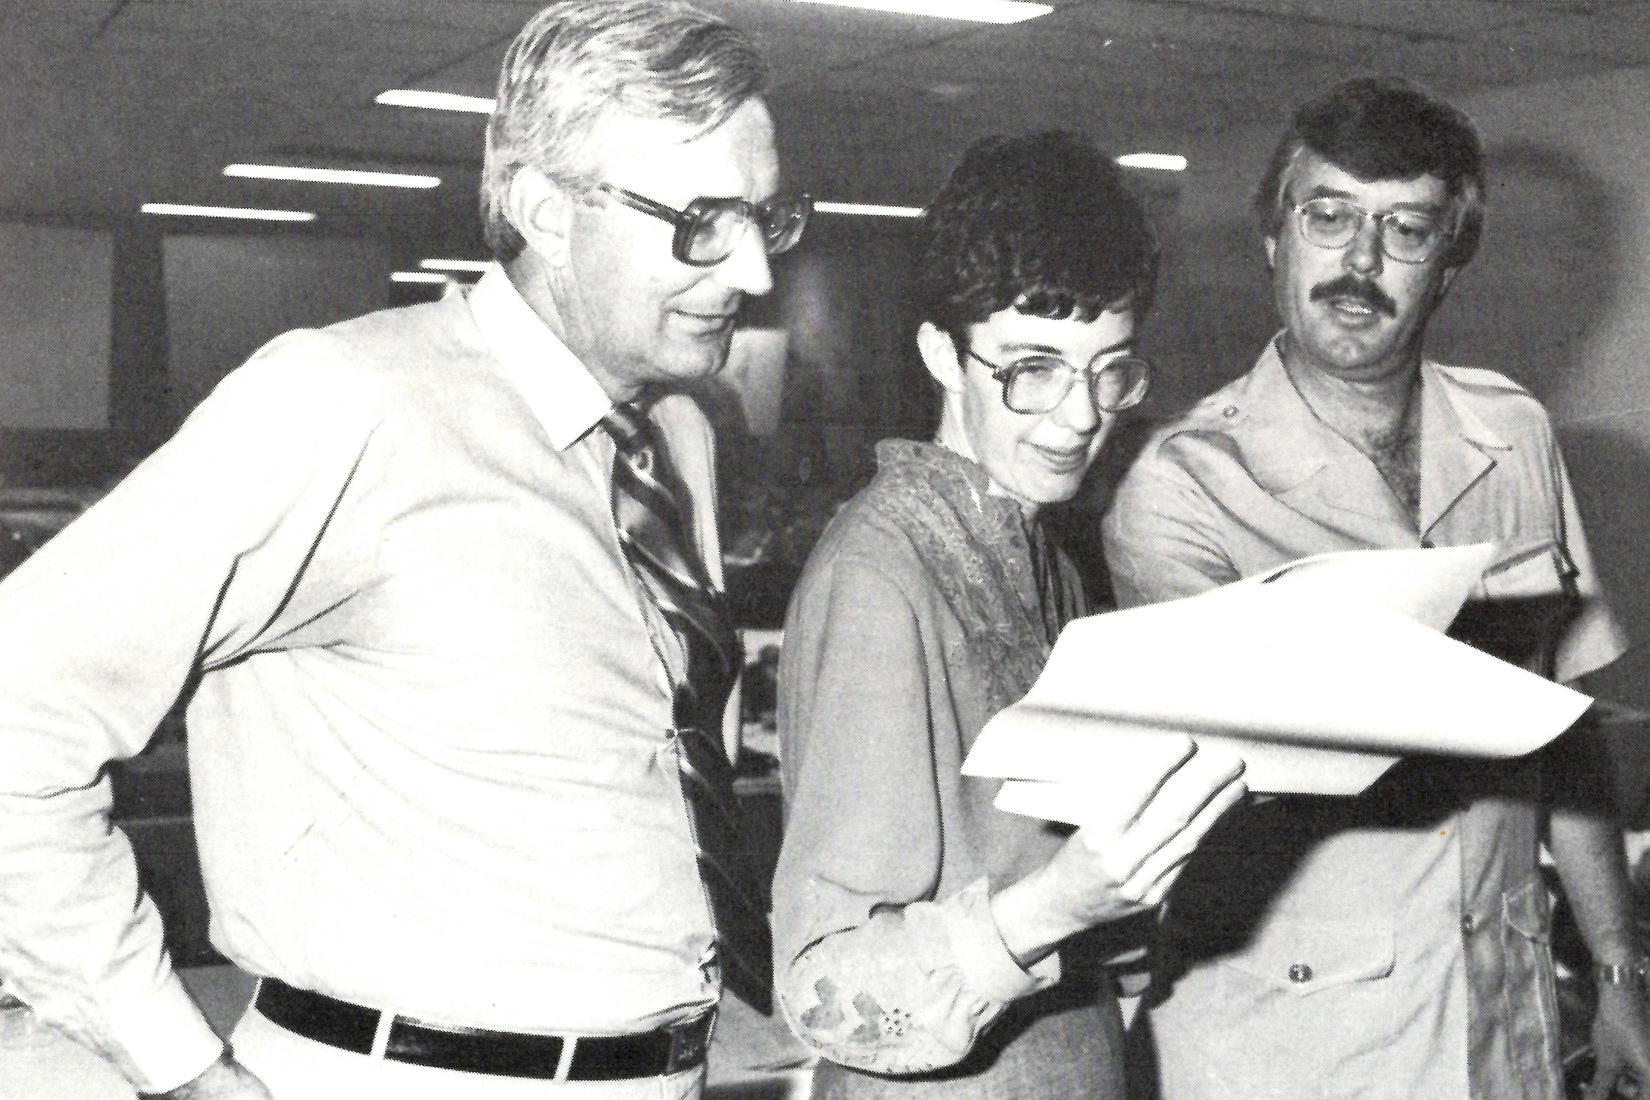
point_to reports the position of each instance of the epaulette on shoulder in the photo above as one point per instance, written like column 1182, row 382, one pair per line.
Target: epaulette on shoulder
column 1481, row 378
column 1219, row 411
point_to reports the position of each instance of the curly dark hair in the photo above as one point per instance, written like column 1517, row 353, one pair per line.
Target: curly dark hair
column 1042, row 222
column 1383, row 129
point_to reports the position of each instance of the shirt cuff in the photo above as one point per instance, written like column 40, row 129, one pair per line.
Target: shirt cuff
column 985, row 961
column 165, row 1041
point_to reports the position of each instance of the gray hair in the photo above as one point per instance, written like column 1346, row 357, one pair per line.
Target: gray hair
column 576, row 62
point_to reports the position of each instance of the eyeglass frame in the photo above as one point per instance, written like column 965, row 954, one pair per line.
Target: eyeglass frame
column 685, row 219
column 1005, row 374
column 1380, row 217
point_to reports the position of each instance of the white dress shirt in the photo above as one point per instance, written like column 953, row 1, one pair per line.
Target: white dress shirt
column 428, row 744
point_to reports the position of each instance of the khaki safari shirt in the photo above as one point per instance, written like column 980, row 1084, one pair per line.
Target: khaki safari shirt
column 1394, row 944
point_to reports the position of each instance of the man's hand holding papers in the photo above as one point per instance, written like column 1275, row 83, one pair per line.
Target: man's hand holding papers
column 1318, row 676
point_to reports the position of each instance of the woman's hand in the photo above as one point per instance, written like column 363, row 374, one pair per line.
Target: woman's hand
column 1103, row 873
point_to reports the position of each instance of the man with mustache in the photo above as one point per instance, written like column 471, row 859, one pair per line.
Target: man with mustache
column 1395, row 944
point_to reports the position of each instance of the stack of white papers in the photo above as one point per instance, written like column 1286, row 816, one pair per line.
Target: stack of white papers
column 1319, row 675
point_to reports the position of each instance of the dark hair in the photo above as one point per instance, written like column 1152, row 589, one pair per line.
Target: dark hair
column 1378, row 129
column 1043, row 223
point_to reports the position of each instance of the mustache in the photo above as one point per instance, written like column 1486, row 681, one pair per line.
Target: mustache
column 1361, row 290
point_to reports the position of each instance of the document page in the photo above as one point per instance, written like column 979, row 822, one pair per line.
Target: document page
column 1319, row 674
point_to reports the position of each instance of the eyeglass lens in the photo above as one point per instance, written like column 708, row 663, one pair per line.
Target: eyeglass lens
column 1407, row 236
column 718, row 224
column 1039, row 385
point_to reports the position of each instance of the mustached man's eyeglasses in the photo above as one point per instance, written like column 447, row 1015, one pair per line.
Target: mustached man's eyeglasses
column 708, row 230
column 1037, row 384
column 1408, row 236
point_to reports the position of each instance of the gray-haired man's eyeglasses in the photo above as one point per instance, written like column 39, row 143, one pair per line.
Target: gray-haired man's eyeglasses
column 708, row 230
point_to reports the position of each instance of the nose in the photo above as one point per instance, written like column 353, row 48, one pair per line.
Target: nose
column 1076, row 410
column 1363, row 251
column 747, row 267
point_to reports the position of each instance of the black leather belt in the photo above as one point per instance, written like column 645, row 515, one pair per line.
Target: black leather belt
column 476, row 1050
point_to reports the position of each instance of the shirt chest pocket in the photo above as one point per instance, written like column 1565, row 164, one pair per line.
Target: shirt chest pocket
column 1525, row 600
column 1307, row 957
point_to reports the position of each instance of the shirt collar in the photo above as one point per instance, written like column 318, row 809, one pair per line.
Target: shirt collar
column 564, row 396
column 1444, row 404
column 1282, row 441
column 1289, row 445
column 927, row 468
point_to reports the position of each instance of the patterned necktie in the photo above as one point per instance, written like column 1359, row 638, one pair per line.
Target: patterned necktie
column 654, row 532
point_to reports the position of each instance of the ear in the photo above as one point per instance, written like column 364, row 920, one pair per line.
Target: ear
column 1445, row 279
column 542, row 212
column 1271, row 246
column 940, row 356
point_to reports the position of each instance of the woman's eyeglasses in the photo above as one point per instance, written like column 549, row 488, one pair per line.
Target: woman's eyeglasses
column 1038, row 383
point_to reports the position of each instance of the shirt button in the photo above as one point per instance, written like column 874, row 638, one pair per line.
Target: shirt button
column 1467, row 925
column 1229, row 411
column 1300, row 973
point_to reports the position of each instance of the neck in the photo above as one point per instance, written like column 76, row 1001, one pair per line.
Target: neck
column 534, row 281
column 1356, row 407
column 951, row 436
column 1379, row 416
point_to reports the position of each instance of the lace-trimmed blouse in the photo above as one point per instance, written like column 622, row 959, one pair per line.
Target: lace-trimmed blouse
column 928, row 606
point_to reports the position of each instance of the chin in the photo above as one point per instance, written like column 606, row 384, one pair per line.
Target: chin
column 689, row 368
column 1055, row 492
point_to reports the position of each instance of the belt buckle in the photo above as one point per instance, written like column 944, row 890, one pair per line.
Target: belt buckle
column 688, row 1043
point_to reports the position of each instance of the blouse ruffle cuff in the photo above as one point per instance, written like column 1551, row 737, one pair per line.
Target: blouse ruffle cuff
column 985, row 961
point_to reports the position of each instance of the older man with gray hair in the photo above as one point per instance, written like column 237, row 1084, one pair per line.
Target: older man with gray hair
column 443, row 585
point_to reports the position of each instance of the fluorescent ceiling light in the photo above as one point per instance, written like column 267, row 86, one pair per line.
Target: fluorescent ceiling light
column 454, row 265
column 188, row 211
column 417, row 277
column 331, row 175
column 977, row 11
column 435, row 101
column 1162, row 162
column 868, row 209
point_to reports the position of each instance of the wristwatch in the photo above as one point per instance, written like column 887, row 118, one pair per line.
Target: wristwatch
column 1616, row 974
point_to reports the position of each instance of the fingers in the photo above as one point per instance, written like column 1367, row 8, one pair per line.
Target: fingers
column 1181, row 812
column 1151, row 881
column 1188, row 750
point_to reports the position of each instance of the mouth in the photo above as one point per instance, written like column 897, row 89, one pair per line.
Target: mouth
column 706, row 324
column 1352, row 308
column 1354, row 300
column 1063, row 460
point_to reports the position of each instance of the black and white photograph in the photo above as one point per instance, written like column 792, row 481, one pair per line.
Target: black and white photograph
column 831, row 549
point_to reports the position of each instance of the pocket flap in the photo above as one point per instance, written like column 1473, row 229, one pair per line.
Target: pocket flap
column 1307, row 956
column 1533, row 570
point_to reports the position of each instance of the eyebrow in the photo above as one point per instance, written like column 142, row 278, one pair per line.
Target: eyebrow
column 1016, row 348
column 1324, row 192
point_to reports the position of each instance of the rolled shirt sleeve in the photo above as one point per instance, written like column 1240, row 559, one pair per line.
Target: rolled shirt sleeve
column 1594, row 637
column 194, row 560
